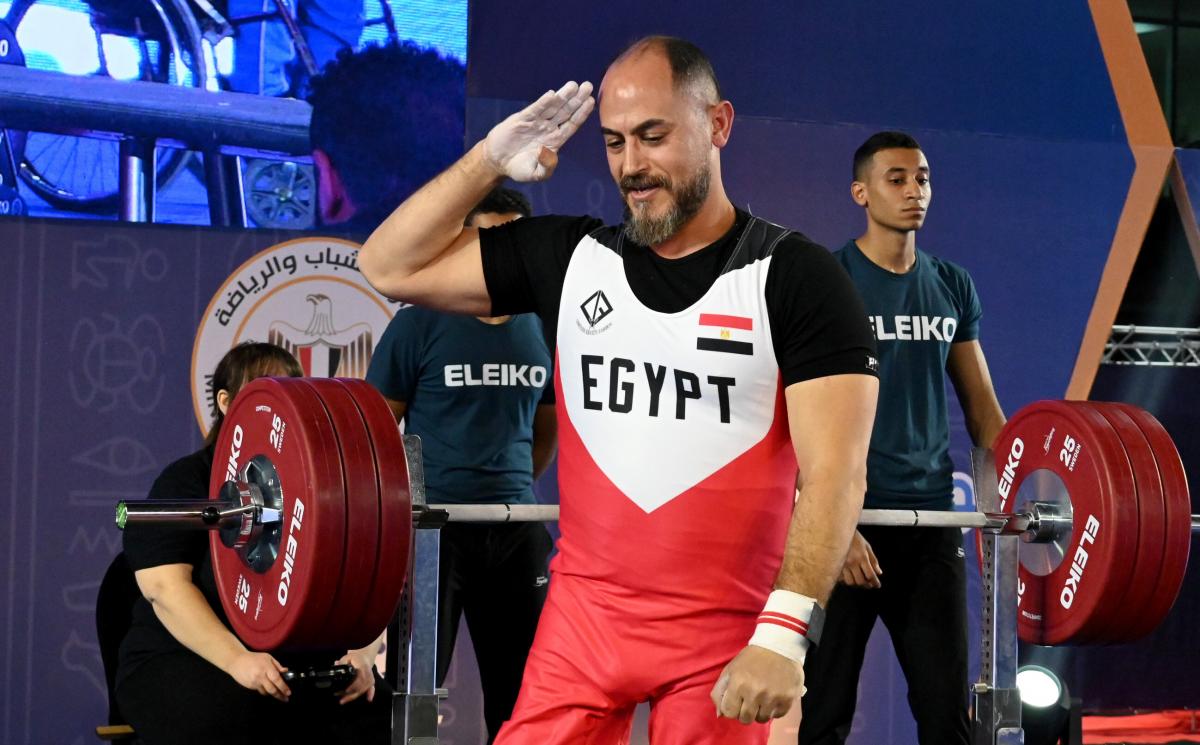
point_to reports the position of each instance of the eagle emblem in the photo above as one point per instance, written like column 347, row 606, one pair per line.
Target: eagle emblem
column 322, row 349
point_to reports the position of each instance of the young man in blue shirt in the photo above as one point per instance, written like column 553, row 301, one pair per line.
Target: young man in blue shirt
column 925, row 315
column 480, row 394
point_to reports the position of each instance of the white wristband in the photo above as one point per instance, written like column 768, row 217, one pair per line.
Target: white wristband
column 783, row 624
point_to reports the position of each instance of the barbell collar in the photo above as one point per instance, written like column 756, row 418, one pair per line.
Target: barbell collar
column 425, row 516
column 1048, row 522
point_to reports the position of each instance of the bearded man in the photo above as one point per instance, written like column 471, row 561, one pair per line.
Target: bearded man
column 708, row 362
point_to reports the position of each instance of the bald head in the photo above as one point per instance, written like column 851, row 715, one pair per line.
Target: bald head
column 690, row 70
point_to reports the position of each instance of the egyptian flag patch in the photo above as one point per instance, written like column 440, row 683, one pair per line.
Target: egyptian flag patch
column 721, row 333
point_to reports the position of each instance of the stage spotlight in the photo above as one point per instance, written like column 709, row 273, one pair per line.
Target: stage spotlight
column 1045, row 705
column 1039, row 686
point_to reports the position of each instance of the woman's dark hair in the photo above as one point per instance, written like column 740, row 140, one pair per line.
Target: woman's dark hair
column 240, row 365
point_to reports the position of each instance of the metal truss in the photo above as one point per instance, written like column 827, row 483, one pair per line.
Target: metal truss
column 1153, row 346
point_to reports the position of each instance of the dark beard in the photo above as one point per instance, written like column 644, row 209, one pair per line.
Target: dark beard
column 652, row 231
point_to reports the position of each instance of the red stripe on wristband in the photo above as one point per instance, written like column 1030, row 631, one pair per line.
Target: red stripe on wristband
column 787, row 622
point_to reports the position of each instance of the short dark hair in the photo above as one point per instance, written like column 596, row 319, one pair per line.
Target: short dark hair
column 887, row 140
column 501, row 201
column 690, row 66
column 390, row 118
column 240, row 365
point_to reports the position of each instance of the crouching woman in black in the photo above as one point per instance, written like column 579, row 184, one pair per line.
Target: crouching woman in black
column 182, row 675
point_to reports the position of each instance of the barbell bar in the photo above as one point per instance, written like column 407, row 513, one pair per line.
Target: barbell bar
column 204, row 515
column 313, row 515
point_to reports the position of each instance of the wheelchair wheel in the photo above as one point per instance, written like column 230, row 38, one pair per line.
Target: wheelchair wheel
column 281, row 194
column 11, row 202
column 152, row 40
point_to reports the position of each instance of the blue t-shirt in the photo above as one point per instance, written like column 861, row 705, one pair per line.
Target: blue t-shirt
column 916, row 316
column 471, row 390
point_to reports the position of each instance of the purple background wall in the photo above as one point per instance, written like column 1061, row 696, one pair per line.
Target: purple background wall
column 97, row 401
column 1012, row 104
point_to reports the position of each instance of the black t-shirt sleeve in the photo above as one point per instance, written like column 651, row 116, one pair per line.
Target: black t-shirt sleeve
column 819, row 324
column 525, row 261
column 149, row 546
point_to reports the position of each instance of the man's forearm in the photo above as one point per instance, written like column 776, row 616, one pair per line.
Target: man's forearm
column 426, row 224
column 985, row 426
column 819, row 536
column 545, row 438
column 543, row 454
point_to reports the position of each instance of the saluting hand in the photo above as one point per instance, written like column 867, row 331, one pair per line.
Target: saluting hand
column 525, row 146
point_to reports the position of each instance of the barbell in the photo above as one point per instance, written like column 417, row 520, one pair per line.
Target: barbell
column 312, row 516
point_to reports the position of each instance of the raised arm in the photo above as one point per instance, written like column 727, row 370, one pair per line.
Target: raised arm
column 422, row 253
column 973, row 383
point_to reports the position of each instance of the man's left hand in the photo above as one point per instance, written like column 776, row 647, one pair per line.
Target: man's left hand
column 757, row 686
column 364, row 677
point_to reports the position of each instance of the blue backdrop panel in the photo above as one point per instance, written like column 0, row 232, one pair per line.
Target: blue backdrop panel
column 1019, row 69
column 1189, row 166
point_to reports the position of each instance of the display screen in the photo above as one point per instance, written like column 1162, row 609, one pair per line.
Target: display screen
column 221, row 45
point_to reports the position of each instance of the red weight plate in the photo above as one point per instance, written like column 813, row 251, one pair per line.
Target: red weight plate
column 395, row 514
column 281, row 420
column 342, row 626
column 1052, row 451
column 1100, row 627
column 1152, row 526
column 1104, row 625
column 1178, row 540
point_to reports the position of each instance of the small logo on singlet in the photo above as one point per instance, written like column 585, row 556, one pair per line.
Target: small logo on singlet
column 595, row 308
column 872, row 363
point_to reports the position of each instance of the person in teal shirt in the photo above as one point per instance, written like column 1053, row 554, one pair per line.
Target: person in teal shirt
column 925, row 314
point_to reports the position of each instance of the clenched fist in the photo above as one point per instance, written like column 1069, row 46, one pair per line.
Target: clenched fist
column 757, row 686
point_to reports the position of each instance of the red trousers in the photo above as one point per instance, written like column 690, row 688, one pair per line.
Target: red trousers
column 599, row 652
